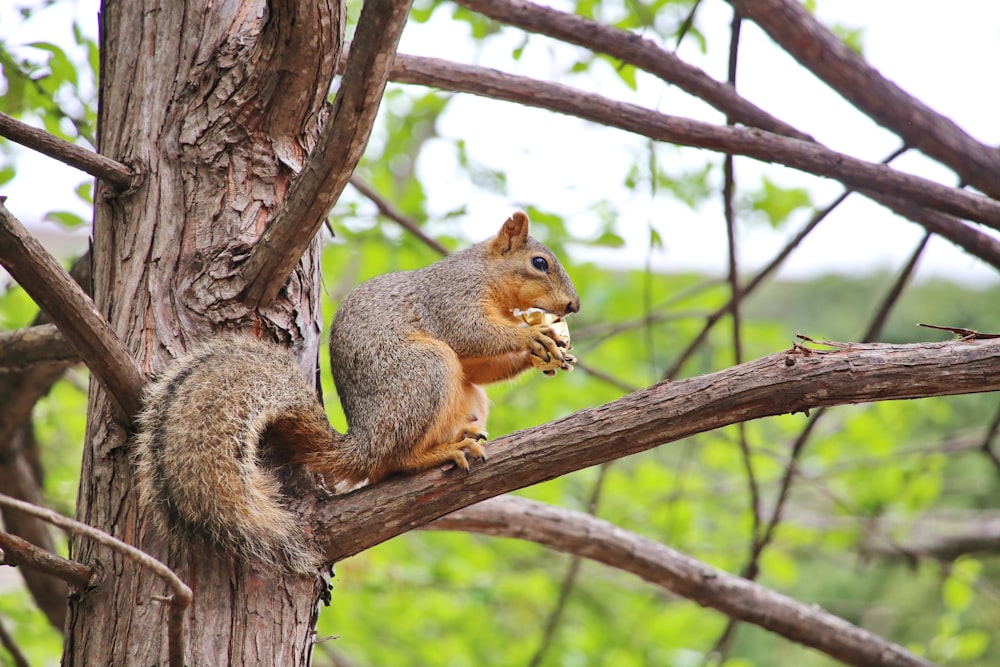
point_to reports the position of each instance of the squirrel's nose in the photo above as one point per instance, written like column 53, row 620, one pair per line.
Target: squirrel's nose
column 572, row 307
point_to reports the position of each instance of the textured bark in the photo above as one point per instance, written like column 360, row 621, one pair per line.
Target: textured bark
column 216, row 104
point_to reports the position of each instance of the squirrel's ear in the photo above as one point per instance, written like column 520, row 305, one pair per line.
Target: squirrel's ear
column 513, row 234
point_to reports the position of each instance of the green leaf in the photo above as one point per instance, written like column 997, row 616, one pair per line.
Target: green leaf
column 778, row 203
column 85, row 191
column 65, row 218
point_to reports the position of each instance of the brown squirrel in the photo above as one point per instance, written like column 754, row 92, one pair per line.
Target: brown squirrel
column 409, row 352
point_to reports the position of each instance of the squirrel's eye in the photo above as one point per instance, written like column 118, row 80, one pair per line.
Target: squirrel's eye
column 540, row 263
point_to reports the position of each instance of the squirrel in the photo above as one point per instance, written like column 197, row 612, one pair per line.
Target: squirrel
column 409, row 352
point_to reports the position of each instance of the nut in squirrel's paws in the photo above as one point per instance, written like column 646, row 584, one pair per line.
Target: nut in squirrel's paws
column 559, row 333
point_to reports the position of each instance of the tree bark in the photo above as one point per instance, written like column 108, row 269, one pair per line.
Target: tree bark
column 215, row 104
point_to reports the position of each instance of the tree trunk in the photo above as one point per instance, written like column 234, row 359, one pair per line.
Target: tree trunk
column 216, row 103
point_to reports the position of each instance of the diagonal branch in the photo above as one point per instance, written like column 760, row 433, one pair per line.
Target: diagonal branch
column 73, row 312
column 758, row 144
column 329, row 167
column 584, row 535
column 787, row 382
column 83, row 159
column 821, row 52
column 17, row 551
column 635, row 50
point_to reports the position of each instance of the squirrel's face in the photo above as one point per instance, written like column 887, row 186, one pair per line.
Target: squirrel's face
column 545, row 283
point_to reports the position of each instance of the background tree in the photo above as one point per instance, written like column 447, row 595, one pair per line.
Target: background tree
column 221, row 161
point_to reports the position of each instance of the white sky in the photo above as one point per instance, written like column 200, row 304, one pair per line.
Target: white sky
column 947, row 58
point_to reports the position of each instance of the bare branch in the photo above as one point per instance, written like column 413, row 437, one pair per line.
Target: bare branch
column 88, row 161
column 21, row 474
column 32, row 345
column 15, row 651
column 327, row 169
column 581, row 534
column 635, row 50
column 179, row 601
column 787, row 382
column 826, row 56
column 73, row 312
column 751, row 142
column 386, row 209
column 944, row 537
column 649, row 56
column 17, row 551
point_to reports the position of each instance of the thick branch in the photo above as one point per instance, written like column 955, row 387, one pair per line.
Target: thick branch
column 786, row 382
column 342, row 142
column 584, row 535
column 32, row 345
column 754, row 143
column 74, row 313
column 85, row 160
column 826, row 56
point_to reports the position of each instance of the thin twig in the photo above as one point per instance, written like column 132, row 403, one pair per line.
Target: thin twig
column 987, row 445
column 41, row 276
column 570, row 578
column 179, row 601
column 761, row 275
column 389, row 211
column 88, row 161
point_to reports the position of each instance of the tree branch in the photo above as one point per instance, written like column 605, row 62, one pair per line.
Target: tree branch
column 635, row 50
column 33, row 345
column 386, row 209
column 796, row 380
column 944, row 537
column 21, row 474
column 581, row 534
column 758, row 144
column 88, row 161
column 179, row 601
column 821, row 52
column 327, row 169
column 649, row 56
column 17, row 551
column 73, row 312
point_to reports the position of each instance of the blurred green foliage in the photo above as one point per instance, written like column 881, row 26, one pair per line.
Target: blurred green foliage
column 456, row 599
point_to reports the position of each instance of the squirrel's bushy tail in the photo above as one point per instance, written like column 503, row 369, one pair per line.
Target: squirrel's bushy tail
column 198, row 451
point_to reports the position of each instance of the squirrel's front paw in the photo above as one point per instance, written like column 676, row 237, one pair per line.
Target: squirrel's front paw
column 548, row 350
column 549, row 342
